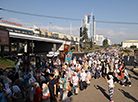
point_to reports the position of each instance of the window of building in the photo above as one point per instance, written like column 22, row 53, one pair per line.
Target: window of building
column 6, row 48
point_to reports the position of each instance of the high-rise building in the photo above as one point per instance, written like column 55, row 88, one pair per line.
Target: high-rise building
column 90, row 24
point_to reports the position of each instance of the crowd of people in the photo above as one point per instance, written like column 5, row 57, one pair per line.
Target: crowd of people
column 57, row 81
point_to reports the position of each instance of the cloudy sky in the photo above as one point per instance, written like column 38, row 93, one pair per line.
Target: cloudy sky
column 104, row 10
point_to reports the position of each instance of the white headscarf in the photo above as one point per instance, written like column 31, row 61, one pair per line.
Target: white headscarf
column 45, row 90
column 8, row 90
column 16, row 89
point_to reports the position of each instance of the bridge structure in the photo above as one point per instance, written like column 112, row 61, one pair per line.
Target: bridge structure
column 27, row 40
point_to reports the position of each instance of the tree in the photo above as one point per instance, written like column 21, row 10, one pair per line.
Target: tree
column 105, row 42
column 84, row 37
column 133, row 46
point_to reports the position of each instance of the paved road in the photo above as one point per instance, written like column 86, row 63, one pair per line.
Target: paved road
column 98, row 91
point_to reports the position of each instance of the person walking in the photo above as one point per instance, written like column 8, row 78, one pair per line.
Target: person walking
column 109, row 79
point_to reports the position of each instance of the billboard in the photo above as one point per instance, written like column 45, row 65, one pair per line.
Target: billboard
column 4, row 37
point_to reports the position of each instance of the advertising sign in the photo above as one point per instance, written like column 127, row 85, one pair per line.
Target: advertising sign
column 4, row 37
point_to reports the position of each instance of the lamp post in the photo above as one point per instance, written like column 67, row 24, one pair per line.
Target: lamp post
column 70, row 27
column 49, row 27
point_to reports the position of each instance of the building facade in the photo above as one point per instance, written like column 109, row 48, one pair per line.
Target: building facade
column 99, row 39
column 56, row 35
column 90, row 24
column 128, row 43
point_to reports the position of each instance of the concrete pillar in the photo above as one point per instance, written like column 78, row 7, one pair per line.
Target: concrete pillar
column 25, row 46
column 10, row 52
column 2, row 51
column 17, row 46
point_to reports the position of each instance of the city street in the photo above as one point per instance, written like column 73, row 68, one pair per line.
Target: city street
column 98, row 91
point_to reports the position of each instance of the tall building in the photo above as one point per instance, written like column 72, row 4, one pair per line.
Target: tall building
column 99, row 39
column 90, row 24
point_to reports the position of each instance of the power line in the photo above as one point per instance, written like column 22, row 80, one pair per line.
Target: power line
column 64, row 18
column 116, row 22
column 31, row 14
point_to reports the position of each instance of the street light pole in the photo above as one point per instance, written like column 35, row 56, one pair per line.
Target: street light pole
column 49, row 27
column 70, row 29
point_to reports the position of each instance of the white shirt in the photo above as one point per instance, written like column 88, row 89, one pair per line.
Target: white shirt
column 83, row 76
column 74, row 61
column 78, row 66
column 110, row 83
column 75, row 80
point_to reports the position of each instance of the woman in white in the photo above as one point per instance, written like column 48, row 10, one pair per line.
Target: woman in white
column 8, row 91
column 75, row 83
column 45, row 93
column 31, row 79
column 88, row 76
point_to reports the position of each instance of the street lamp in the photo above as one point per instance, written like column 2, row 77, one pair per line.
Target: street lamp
column 49, row 27
column 70, row 29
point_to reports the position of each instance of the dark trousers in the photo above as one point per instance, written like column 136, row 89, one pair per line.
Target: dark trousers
column 61, row 94
column 52, row 96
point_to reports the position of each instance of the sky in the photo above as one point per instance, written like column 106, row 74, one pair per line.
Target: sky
column 104, row 10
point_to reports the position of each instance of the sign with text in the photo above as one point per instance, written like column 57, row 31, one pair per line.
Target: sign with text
column 4, row 21
column 4, row 37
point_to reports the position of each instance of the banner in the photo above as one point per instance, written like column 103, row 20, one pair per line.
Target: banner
column 68, row 57
column 66, row 47
column 62, row 56
column 4, row 37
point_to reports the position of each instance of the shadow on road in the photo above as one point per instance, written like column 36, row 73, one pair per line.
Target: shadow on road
column 103, row 91
column 134, row 77
column 126, row 94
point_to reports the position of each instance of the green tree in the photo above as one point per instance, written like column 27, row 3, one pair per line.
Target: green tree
column 84, row 37
column 105, row 42
column 133, row 46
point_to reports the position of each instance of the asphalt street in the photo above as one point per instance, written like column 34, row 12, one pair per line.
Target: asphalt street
column 98, row 91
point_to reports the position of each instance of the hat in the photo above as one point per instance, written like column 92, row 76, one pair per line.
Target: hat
column 75, row 73
column 77, row 70
column 118, row 70
column 42, row 78
column 7, row 70
column 83, row 70
column 111, row 76
column 87, row 70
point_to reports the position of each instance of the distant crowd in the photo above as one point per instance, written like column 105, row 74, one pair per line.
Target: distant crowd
column 57, row 81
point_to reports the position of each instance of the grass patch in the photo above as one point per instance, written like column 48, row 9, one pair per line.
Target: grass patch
column 125, row 50
column 6, row 63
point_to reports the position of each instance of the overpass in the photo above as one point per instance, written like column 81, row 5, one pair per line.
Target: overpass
column 20, row 43
column 32, row 43
column 22, row 39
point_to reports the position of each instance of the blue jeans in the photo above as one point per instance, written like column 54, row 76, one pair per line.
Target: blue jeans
column 61, row 94
column 74, row 90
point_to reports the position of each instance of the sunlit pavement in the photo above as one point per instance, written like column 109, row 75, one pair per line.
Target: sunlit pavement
column 98, row 91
